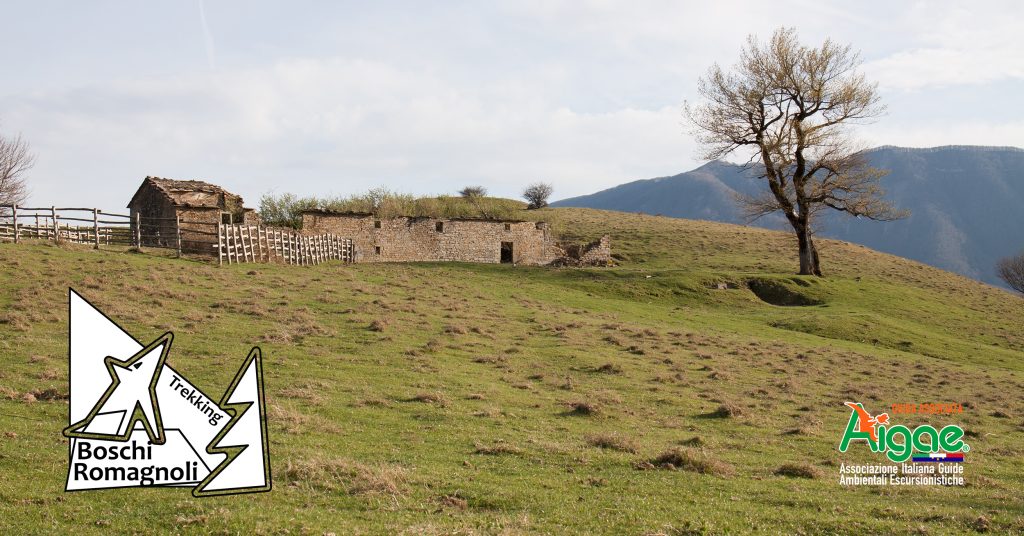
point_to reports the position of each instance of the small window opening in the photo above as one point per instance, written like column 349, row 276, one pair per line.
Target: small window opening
column 506, row 252
column 508, row 226
column 376, row 224
column 226, row 218
column 439, row 226
column 376, row 250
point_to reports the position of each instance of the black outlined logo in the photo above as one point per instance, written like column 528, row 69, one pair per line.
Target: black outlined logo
column 136, row 422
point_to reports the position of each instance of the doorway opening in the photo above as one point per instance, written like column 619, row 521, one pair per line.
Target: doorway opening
column 506, row 252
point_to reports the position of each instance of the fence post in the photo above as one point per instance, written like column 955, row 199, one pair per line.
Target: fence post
column 14, row 216
column 177, row 231
column 138, row 231
column 220, row 255
column 56, row 225
column 37, row 225
column 96, row 228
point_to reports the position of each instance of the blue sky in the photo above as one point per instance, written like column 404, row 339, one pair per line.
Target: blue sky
column 426, row 97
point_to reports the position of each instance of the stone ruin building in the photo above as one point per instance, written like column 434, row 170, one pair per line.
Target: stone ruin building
column 162, row 206
column 410, row 239
column 162, row 203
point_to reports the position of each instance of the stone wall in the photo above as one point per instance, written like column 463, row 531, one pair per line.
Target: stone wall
column 157, row 218
column 428, row 239
column 597, row 253
column 199, row 229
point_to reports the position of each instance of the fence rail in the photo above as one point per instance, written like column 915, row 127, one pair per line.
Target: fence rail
column 254, row 243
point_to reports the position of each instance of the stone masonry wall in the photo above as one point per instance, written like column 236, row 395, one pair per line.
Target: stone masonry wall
column 419, row 239
column 598, row 253
column 198, row 229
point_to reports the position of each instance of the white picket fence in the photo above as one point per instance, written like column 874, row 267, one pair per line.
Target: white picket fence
column 254, row 243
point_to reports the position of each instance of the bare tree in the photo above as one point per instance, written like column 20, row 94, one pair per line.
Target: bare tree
column 1011, row 270
column 473, row 191
column 537, row 194
column 15, row 160
column 787, row 108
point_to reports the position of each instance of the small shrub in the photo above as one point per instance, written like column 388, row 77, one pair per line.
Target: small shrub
column 537, row 194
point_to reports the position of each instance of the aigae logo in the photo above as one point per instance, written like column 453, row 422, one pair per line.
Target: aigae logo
column 899, row 442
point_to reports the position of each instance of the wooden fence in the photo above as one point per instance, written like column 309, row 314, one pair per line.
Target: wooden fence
column 255, row 243
column 232, row 243
column 66, row 224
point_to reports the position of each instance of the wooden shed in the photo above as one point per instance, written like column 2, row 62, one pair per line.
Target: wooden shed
column 161, row 205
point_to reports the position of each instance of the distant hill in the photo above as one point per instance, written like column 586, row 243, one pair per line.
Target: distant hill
column 967, row 204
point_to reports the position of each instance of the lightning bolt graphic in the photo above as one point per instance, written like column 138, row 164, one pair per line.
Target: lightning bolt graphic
column 244, row 441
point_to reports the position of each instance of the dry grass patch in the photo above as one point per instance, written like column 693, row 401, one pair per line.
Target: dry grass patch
column 455, row 329
column 353, row 477
column 497, row 449
column 289, row 418
column 431, row 398
column 687, row 459
column 583, row 408
column 453, row 501
column 695, row 441
column 798, row 470
column 613, row 441
column 311, row 392
column 727, row 411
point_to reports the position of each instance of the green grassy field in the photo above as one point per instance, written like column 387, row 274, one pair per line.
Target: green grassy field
column 482, row 399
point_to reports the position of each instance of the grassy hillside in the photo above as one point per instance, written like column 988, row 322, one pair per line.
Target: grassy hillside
column 456, row 398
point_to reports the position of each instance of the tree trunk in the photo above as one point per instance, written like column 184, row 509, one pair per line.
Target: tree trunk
column 808, row 252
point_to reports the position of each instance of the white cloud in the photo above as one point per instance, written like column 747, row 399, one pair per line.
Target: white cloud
column 971, row 44
column 313, row 125
column 584, row 94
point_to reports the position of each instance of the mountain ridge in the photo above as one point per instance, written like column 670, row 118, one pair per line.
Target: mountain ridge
column 964, row 200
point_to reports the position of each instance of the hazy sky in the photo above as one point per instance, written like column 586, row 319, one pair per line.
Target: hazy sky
column 426, row 97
